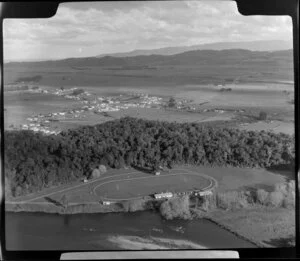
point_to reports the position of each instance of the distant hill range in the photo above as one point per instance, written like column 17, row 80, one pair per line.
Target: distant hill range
column 230, row 57
column 190, row 67
column 273, row 45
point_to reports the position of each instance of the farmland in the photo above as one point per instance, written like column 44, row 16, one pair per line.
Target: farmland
column 204, row 103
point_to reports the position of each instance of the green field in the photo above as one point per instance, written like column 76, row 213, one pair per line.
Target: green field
column 144, row 186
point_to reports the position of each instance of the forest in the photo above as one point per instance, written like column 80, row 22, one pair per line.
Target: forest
column 34, row 161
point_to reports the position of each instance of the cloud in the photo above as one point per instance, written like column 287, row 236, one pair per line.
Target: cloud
column 115, row 27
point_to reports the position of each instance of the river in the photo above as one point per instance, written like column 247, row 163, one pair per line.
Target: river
column 41, row 231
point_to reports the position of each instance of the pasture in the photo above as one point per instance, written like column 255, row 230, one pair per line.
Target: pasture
column 287, row 127
column 21, row 105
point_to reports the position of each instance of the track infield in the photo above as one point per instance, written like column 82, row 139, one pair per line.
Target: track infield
column 137, row 187
column 126, row 185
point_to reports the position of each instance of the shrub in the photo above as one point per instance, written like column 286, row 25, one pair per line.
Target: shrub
column 96, row 174
column 64, row 201
column 18, row 191
column 178, row 207
column 134, row 205
column 282, row 196
column 289, row 200
column 7, row 185
column 172, row 102
column 125, row 205
column 197, row 213
column 211, row 201
column 291, row 186
column 232, row 200
column 102, row 169
column 275, row 199
column 281, row 187
column 261, row 196
column 262, row 116
column 77, row 91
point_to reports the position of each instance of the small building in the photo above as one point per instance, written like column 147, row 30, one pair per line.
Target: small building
column 163, row 195
column 157, row 173
column 106, row 203
column 205, row 193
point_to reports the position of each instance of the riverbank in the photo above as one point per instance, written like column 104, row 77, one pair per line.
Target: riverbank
column 264, row 226
column 259, row 225
column 72, row 208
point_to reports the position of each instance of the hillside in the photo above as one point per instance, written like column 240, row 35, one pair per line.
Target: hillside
column 192, row 67
column 251, row 45
column 190, row 58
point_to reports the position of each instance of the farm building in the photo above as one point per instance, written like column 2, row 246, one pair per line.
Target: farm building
column 163, row 195
column 204, row 193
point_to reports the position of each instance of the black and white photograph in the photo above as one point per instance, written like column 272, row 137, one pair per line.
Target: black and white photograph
column 149, row 125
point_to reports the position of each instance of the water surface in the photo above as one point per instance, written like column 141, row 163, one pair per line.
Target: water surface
column 40, row 231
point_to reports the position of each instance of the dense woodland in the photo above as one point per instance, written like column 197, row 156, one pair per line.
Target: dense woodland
column 34, row 161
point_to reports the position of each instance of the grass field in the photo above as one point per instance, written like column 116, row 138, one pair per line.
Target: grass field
column 130, row 183
column 287, row 127
column 124, row 185
column 21, row 105
column 143, row 186
column 269, row 226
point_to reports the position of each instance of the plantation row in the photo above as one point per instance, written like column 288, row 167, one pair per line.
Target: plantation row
column 34, row 161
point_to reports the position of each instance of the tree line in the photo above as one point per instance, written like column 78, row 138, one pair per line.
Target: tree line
column 34, row 161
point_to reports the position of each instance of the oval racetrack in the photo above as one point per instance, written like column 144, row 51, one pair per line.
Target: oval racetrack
column 138, row 187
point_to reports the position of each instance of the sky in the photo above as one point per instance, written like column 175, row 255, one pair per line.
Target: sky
column 94, row 28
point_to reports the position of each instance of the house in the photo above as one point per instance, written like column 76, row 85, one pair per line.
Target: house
column 157, row 173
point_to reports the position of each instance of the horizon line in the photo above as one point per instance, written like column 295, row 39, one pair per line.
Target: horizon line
column 134, row 50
